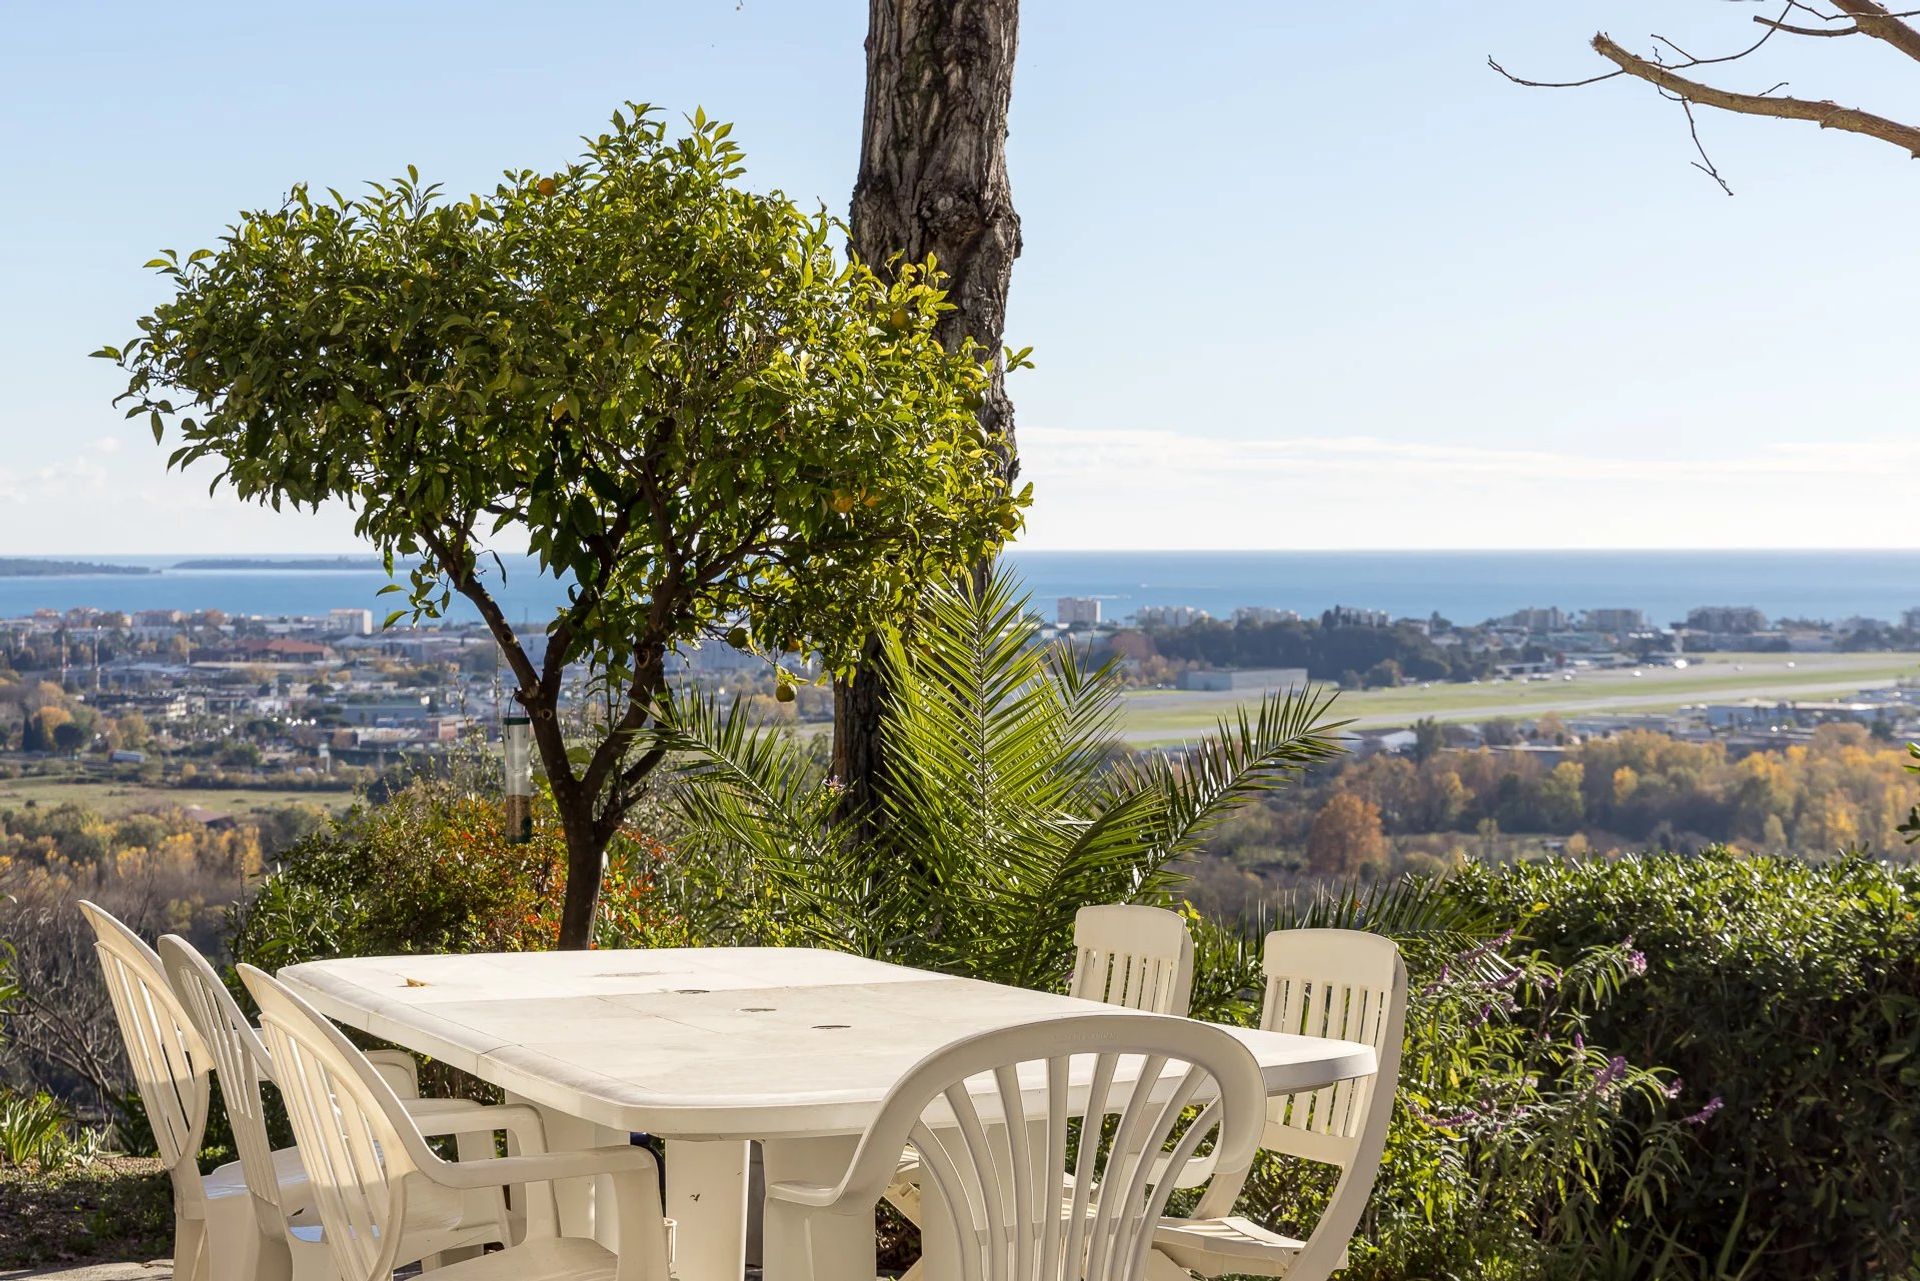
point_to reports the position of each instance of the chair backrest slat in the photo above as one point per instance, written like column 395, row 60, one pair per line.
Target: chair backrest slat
column 1343, row 984
column 992, row 1118
column 169, row 1062
column 1134, row 956
column 357, row 1142
column 241, row 1064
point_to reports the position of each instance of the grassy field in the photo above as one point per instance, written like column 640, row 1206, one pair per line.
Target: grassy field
column 1159, row 716
column 111, row 797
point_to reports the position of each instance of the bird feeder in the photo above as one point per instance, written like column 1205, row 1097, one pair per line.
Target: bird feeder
column 517, row 735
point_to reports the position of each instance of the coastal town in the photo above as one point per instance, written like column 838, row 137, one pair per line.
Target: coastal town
column 331, row 702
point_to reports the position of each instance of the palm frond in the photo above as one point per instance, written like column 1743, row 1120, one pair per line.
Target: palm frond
column 1247, row 755
column 743, row 780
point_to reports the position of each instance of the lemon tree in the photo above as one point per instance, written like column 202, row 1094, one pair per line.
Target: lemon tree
column 672, row 390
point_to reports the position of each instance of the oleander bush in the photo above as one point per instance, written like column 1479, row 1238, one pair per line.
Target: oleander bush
column 1787, row 990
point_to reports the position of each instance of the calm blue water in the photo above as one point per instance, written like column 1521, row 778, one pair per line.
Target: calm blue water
column 1464, row 586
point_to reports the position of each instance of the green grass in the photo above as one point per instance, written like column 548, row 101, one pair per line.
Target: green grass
column 114, row 797
column 1153, row 716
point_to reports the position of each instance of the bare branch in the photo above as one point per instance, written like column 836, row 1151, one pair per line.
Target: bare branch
column 1827, row 115
column 1552, row 84
column 1688, row 59
column 1790, row 29
column 1705, row 163
column 1878, row 21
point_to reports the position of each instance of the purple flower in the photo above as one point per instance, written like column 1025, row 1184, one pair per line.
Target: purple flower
column 1673, row 1089
column 1579, row 1043
column 1705, row 1114
column 1637, row 962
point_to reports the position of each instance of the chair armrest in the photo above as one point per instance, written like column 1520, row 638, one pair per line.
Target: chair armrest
column 819, row 1196
column 545, row 1167
column 517, row 1119
column 431, row 1106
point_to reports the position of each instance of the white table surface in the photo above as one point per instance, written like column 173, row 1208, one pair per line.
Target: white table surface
column 716, row 1043
column 710, row 1048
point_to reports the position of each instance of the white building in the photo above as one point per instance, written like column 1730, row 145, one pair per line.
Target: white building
column 1264, row 678
column 349, row 622
column 1077, row 611
column 1170, row 616
column 1617, row 621
column 1261, row 615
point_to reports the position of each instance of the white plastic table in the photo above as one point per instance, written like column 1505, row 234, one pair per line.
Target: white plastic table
column 710, row 1048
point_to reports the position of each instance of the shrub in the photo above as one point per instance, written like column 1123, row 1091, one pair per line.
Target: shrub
column 1520, row 1147
column 430, row 870
column 1790, row 991
column 36, row 1130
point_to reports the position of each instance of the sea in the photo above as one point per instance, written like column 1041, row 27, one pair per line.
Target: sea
column 1463, row 586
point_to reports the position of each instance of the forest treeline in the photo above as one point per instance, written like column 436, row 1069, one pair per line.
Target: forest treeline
column 1351, row 656
column 1633, row 791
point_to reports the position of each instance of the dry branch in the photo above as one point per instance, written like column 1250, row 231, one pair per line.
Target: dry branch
column 1876, row 20
column 1827, row 115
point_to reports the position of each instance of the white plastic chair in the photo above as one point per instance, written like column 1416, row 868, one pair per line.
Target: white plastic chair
column 274, row 1235
column 1134, row 956
column 999, row 1168
column 368, row 1164
column 1125, row 954
column 1344, row 984
column 170, row 1066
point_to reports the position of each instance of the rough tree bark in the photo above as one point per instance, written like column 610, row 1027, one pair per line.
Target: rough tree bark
column 933, row 181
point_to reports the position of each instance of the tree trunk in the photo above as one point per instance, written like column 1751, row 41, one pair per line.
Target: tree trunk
column 575, row 810
column 933, row 180
column 585, row 852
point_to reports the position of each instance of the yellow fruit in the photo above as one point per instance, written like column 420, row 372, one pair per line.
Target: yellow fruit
column 738, row 638
column 546, row 186
column 842, row 503
column 783, row 692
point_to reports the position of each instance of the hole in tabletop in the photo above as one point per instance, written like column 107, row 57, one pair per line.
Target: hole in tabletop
column 690, row 991
column 831, row 1027
column 756, row 1009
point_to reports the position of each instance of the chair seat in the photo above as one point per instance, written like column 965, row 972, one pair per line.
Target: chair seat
column 230, row 1180
column 1233, row 1245
column 552, row 1259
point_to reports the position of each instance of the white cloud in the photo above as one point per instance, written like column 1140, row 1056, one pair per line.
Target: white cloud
column 1157, row 488
column 1153, row 454
column 54, row 482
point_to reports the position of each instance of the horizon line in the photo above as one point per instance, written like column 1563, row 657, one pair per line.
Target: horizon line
column 228, row 554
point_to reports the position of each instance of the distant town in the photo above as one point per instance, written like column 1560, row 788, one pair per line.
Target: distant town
column 1257, row 648
column 167, row 697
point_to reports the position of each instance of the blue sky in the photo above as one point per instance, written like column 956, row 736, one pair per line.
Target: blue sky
column 1296, row 275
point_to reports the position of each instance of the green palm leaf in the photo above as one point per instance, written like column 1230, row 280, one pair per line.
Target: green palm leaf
column 1010, row 801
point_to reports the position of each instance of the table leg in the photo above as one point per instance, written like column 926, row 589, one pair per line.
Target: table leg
column 816, row 1247
column 707, row 1198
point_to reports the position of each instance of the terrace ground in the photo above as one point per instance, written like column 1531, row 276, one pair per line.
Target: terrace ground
column 1170, row 716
